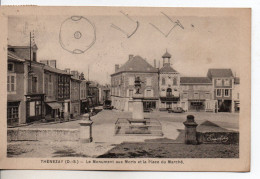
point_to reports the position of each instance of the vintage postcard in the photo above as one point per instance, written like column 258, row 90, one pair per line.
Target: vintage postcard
column 125, row 88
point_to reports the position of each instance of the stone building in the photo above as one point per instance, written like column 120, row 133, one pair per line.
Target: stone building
column 236, row 94
column 57, row 91
column 169, row 84
column 33, row 81
column 122, row 84
column 16, row 74
column 75, row 94
column 222, row 82
column 197, row 94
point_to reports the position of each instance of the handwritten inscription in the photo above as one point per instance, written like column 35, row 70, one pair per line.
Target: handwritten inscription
column 216, row 139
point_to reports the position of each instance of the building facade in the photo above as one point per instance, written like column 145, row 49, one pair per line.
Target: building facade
column 75, row 94
column 169, row 84
column 57, row 91
column 222, row 82
column 16, row 74
column 196, row 94
column 122, row 84
column 236, row 94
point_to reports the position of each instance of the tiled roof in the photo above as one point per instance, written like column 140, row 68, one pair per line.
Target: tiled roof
column 220, row 73
column 12, row 56
column 195, row 80
column 167, row 55
column 55, row 70
column 136, row 64
column 167, row 69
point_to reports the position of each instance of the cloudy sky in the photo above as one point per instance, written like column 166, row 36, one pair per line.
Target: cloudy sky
column 205, row 42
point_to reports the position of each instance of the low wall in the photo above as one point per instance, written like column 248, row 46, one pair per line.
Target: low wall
column 41, row 134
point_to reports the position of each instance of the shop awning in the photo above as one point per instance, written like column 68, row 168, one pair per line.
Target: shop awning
column 55, row 105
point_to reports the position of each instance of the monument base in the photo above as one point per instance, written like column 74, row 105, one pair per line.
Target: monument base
column 146, row 126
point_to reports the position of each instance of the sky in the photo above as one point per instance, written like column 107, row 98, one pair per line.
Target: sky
column 205, row 42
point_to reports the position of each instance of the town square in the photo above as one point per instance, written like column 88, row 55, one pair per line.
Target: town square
column 86, row 87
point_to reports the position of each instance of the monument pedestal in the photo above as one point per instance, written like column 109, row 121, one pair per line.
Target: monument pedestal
column 85, row 131
column 138, row 125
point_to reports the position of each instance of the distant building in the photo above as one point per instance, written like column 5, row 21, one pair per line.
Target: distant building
column 93, row 94
column 236, row 94
column 222, row 82
column 75, row 94
column 122, row 84
column 104, row 93
column 57, row 91
column 83, row 96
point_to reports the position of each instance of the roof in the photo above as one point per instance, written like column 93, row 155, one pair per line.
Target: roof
column 195, row 80
column 167, row 69
column 167, row 55
column 73, row 78
column 136, row 64
column 220, row 73
column 12, row 56
column 55, row 70
column 237, row 80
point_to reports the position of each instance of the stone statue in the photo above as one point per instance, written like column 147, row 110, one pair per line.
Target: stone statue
column 137, row 85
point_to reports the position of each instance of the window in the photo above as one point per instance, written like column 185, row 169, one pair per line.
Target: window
column 148, row 81
column 218, row 93
column 226, row 82
column 169, row 92
column 131, row 80
column 185, row 95
column 219, row 82
column 50, row 78
column 163, row 81
column 34, row 56
column 11, row 83
column 10, row 67
column 196, row 95
column 207, row 95
column 34, row 84
column 226, row 94
column 131, row 92
column 149, row 93
column 174, row 81
column 12, row 112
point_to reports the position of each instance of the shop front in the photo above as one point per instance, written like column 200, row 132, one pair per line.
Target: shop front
column 196, row 105
column 34, row 107
column 84, row 106
column 13, row 112
column 53, row 111
column 169, row 102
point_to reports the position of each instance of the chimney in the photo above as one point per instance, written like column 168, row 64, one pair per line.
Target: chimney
column 52, row 63
column 67, row 70
column 154, row 63
column 131, row 57
column 45, row 62
column 116, row 67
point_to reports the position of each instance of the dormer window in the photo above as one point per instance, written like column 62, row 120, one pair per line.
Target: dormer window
column 218, row 82
column 226, row 82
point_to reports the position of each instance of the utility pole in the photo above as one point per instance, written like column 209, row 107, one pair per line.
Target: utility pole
column 30, row 52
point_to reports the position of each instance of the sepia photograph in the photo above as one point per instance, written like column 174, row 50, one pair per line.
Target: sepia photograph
column 121, row 88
